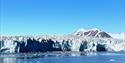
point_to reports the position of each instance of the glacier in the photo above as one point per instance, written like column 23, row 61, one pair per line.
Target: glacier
column 45, row 43
column 82, row 40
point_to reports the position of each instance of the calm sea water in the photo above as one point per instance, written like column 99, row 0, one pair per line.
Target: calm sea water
column 64, row 57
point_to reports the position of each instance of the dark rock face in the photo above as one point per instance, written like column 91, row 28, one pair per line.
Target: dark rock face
column 86, row 33
column 80, row 33
column 93, row 33
column 104, row 35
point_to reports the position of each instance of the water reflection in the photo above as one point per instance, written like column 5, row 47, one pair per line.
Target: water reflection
column 8, row 60
column 56, row 57
column 14, row 58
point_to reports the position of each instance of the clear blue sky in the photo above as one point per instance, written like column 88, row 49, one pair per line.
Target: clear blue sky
column 60, row 16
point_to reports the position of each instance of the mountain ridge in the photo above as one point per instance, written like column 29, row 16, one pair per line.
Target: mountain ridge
column 94, row 32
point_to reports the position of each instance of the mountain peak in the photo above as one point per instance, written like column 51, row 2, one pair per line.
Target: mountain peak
column 95, row 29
column 81, row 29
column 80, row 32
column 94, row 32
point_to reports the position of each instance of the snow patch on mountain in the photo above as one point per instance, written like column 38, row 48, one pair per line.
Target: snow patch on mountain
column 80, row 32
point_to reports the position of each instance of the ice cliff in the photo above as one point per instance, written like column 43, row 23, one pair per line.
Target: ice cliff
column 16, row 44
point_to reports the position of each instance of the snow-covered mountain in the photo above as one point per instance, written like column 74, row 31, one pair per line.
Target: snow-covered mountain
column 94, row 32
column 118, row 35
column 93, row 40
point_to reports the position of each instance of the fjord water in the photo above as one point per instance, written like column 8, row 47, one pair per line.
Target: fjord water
column 64, row 57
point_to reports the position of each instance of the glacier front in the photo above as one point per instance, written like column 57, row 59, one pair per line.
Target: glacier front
column 20, row 44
